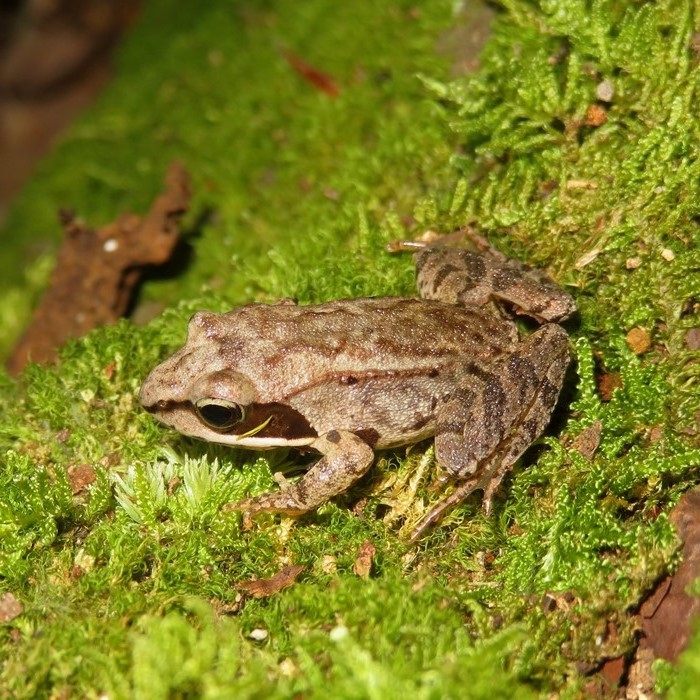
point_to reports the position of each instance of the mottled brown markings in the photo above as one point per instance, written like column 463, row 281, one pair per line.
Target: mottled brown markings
column 529, row 430
column 167, row 406
column 537, row 306
column 476, row 267
column 333, row 436
column 441, row 275
column 504, row 279
column 478, row 338
column 455, row 427
column 421, row 422
column 548, row 393
column 420, row 259
column 523, row 374
column 463, row 395
column 359, row 378
column 494, row 399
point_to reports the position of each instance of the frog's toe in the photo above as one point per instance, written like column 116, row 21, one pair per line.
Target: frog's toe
column 268, row 503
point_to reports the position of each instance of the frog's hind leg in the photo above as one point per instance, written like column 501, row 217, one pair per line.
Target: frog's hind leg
column 345, row 458
column 458, row 276
column 487, row 424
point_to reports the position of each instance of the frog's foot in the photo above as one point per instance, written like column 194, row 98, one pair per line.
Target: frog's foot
column 345, row 458
column 488, row 482
column 436, row 513
column 479, row 277
column 432, row 238
column 487, row 424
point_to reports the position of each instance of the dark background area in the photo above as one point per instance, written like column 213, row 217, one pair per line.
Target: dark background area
column 55, row 57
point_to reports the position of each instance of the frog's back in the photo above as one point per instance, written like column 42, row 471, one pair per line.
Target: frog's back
column 284, row 347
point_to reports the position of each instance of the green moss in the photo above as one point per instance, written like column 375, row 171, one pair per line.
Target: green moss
column 296, row 194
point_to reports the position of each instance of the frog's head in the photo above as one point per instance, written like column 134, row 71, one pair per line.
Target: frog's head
column 195, row 391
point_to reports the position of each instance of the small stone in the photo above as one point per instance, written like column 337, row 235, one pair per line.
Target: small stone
column 692, row 338
column 288, row 668
column 605, row 91
column 633, row 263
column 258, row 635
column 668, row 255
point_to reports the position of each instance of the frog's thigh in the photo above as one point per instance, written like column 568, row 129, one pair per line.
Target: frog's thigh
column 491, row 420
column 345, row 458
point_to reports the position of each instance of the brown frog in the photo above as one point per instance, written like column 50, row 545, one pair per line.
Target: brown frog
column 347, row 377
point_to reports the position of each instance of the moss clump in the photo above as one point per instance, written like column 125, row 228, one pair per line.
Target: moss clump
column 574, row 145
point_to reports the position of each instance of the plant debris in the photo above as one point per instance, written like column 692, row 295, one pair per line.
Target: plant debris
column 587, row 441
column 97, row 272
column 363, row 562
column 666, row 615
column 320, row 80
column 265, row 587
column 639, row 340
column 80, row 476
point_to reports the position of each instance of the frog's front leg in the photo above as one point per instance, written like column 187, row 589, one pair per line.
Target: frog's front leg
column 495, row 416
column 345, row 458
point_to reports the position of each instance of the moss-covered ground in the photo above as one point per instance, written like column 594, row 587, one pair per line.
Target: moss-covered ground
column 574, row 146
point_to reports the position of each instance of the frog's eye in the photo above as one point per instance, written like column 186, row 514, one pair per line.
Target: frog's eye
column 219, row 413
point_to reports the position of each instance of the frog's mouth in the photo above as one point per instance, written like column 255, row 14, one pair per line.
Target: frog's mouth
column 264, row 426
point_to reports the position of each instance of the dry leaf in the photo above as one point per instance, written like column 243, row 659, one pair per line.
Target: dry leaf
column 264, row 587
column 97, row 271
column 667, row 614
column 363, row 563
column 587, row 441
column 607, row 383
column 80, row 477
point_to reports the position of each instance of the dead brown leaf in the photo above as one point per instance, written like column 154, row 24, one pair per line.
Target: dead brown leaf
column 607, row 383
column 80, row 477
column 666, row 615
column 692, row 338
column 363, row 562
column 587, row 441
column 264, row 587
column 97, row 271
column 312, row 75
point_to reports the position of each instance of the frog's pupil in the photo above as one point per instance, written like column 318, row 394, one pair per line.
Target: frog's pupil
column 219, row 416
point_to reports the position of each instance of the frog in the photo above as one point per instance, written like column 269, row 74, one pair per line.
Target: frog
column 345, row 378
